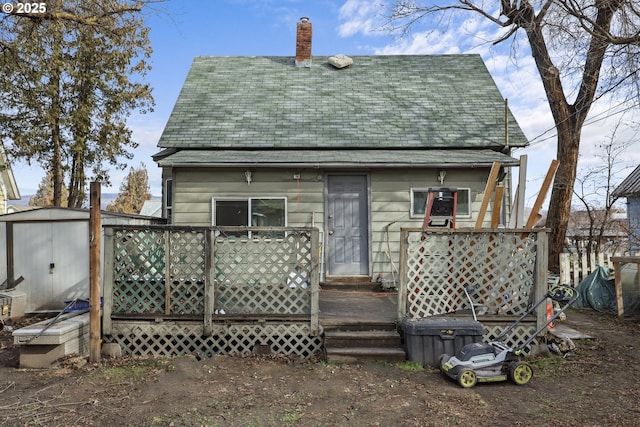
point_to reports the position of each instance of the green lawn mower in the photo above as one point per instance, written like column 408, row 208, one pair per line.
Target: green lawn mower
column 495, row 360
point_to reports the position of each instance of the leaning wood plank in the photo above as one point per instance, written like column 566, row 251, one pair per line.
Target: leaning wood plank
column 533, row 216
column 517, row 207
column 522, row 185
column 491, row 183
column 514, row 210
column 497, row 207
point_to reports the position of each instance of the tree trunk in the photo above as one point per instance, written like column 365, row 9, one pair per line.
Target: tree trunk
column 561, row 195
column 57, row 172
column 56, row 142
column 76, row 181
column 568, row 118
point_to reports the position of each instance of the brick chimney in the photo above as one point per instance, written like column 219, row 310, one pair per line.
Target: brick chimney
column 303, row 43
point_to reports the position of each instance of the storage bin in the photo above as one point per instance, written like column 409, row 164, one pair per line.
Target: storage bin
column 79, row 305
column 428, row 338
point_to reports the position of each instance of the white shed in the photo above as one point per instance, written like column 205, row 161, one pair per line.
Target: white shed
column 45, row 253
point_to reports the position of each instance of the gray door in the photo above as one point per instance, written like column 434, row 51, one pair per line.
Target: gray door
column 347, row 225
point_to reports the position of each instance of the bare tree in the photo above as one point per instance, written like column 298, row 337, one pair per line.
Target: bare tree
column 593, row 225
column 582, row 49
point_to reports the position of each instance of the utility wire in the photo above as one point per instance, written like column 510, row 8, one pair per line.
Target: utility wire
column 536, row 140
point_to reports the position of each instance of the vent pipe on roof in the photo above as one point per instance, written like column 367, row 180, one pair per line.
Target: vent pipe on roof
column 303, row 43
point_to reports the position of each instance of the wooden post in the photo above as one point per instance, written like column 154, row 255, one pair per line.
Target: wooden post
column 488, row 190
column 314, row 281
column 107, row 286
column 541, row 284
column 210, row 281
column 94, row 273
column 497, row 207
column 402, row 285
column 617, row 260
column 618, row 283
column 542, row 194
column 518, row 221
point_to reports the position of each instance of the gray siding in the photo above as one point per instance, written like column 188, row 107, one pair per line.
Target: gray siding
column 390, row 208
column 389, row 202
column 195, row 188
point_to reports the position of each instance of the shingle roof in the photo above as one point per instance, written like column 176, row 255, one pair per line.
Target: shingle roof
column 434, row 101
column 630, row 186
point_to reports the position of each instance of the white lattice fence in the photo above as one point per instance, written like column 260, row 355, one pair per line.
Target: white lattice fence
column 264, row 274
column 503, row 272
column 177, row 275
column 170, row 339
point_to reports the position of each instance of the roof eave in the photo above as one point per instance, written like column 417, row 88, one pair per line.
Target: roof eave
column 334, row 165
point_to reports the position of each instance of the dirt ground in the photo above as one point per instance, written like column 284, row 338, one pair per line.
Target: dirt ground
column 594, row 385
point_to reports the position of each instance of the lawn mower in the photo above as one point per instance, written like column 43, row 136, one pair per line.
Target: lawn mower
column 495, row 360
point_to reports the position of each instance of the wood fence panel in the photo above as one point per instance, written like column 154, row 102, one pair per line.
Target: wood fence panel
column 575, row 268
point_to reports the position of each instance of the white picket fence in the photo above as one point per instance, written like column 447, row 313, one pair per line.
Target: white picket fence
column 574, row 268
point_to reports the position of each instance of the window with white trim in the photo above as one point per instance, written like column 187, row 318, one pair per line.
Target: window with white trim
column 419, row 202
column 250, row 212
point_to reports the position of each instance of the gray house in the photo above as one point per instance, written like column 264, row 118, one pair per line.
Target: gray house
column 352, row 150
column 630, row 188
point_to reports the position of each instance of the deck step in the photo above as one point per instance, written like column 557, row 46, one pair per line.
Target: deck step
column 346, row 339
column 330, row 325
column 352, row 346
column 351, row 286
column 361, row 354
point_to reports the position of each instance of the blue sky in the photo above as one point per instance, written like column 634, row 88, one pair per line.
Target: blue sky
column 184, row 29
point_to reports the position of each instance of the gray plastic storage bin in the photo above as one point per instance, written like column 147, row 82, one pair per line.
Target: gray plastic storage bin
column 426, row 339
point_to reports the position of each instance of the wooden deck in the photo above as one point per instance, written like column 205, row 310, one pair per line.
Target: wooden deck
column 352, row 307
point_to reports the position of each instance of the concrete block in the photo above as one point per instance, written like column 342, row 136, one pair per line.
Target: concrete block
column 111, row 350
column 40, row 356
column 40, row 347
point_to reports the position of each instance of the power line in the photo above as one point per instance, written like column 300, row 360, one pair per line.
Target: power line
column 588, row 122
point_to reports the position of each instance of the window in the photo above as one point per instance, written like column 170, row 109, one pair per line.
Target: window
column 253, row 212
column 419, row 202
column 168, row 200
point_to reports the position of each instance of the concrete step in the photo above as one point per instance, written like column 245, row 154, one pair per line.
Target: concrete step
column 362, row 354
column 346, row 339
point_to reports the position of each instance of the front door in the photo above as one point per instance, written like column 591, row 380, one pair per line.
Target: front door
column 347, row 225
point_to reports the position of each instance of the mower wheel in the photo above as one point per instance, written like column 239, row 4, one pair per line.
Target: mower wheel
column 467, row 378
column 520, row 372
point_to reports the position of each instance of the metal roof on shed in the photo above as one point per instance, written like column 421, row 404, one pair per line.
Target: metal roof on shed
column 52, row 213
column 630, row 186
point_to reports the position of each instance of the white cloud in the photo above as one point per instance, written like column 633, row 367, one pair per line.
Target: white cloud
column 515, row 73
column 359, row 16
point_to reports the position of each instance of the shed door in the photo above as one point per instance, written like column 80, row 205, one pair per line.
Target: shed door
column 347, row 225
column 53, row 258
